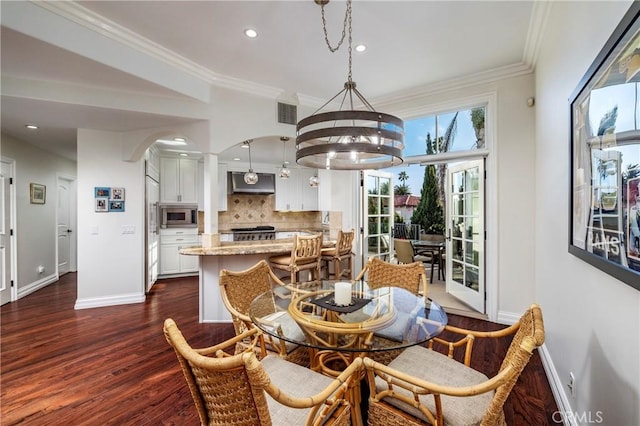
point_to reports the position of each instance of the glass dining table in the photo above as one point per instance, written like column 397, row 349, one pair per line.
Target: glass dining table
column 375, row 322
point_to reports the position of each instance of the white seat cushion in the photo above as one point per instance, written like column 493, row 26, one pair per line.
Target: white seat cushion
column 296, row 381
column 435, row 367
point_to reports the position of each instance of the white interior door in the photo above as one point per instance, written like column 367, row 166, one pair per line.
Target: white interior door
column 5, row 234
column 64, row 226
column 153, row 197
column 377, row 208
column 465, row 233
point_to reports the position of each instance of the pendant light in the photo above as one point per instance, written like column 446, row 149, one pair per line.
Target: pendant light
column 314, row 181
column 348, row 139
column 284, row 171
column 251, row 177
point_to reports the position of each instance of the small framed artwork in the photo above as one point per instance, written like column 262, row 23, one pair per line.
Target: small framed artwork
column 102, row 192
column 116, row 206
column 604, row 219
column 102, row 204
column 117, row 194
column 38, row 193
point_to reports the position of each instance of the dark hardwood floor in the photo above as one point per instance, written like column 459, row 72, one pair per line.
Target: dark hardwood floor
column 113, row 366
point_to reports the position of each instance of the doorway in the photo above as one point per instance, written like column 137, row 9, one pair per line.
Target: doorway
column 465, row 236
column 6, row 233
column 377, row 214
column 65, row 225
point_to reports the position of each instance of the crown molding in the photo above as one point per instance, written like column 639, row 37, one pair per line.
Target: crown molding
column 538, row 22
column 116, row 32
column 480, row 78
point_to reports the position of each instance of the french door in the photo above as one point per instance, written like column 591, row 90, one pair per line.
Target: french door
column 377, row 214
column 465, row 251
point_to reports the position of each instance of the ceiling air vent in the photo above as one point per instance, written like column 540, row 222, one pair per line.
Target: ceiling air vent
column 287, row 114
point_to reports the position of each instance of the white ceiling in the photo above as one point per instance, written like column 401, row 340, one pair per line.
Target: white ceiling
column 411, row 45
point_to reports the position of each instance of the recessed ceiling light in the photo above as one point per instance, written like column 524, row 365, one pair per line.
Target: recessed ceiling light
column 182, row 154
column 251, row 33
column 361, row 48
column 31, row 126
column 236, row 158
column 179, row 139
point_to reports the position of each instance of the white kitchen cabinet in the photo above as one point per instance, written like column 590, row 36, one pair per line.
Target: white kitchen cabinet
column 295, row 193
column 178, row 180
column 171, row 261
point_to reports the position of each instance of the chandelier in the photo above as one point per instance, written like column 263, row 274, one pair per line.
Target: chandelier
column 348, row 139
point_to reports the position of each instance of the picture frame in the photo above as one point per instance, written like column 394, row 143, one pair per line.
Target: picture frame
column 604, row 201
column 37, row 193
column 102, row 192
column 116, row 206
column 102, row 204
column 117, row 194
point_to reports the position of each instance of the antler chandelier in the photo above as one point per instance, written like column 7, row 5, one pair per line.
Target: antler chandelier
column 348, row 139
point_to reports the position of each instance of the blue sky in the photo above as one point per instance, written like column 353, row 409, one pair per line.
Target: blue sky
column 416, row 131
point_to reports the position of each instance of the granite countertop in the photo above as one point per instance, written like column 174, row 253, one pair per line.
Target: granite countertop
column 233, row 248
column 240, row 248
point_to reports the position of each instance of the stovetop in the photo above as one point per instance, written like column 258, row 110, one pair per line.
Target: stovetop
column 256, row 229
column 254, row 234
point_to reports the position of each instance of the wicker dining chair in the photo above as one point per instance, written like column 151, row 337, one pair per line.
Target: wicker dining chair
column 338, row 254
column 411, row 276
column 241, row 390
column 238, row 289
column 305, row 256
column 422, row 385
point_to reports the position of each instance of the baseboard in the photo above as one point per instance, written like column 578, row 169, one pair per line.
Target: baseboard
column 37, row 285
column 508, row 318
column 99, row 302
column 557, row 388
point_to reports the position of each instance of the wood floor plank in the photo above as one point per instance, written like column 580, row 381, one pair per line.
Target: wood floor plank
column 112, row 365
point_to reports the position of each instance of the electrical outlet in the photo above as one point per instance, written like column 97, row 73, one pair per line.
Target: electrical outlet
column 571, row 384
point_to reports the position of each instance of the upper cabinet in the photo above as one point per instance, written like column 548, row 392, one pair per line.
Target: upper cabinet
column 295, row 193
column 178, row 180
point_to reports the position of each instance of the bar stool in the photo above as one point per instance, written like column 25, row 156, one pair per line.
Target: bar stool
column 305, row 255
column 338, row 254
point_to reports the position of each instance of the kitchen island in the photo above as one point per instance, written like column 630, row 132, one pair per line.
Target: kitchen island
column 234, row 256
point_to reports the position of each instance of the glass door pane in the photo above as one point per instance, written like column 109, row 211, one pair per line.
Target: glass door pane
column 465, row 246
column 378, row 212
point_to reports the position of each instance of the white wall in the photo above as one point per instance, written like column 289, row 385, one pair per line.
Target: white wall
column 110, row 263
column 36, row 237
column 591, row 318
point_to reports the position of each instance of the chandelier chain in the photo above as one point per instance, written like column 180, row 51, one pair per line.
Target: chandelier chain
column 346, row 26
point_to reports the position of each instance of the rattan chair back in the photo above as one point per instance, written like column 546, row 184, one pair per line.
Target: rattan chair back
column 411, row 276
column 528, row 337
column 238, row 289
column 231, row 390
column 341, row 252
column 305, row 255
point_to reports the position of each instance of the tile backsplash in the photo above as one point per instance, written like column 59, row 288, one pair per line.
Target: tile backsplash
column 248, row 210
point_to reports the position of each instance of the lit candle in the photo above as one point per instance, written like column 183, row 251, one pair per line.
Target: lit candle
column 342, row 293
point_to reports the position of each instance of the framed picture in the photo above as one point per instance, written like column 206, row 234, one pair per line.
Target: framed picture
column 102, row 204
column 116, row 206
column 102, row 192
column 117, row 194
column 38, row 193
column 604, row 217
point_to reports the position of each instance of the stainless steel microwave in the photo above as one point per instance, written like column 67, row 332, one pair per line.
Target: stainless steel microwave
column 178, row 215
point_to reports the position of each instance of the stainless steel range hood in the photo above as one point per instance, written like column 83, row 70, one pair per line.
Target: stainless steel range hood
column 236, row 185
